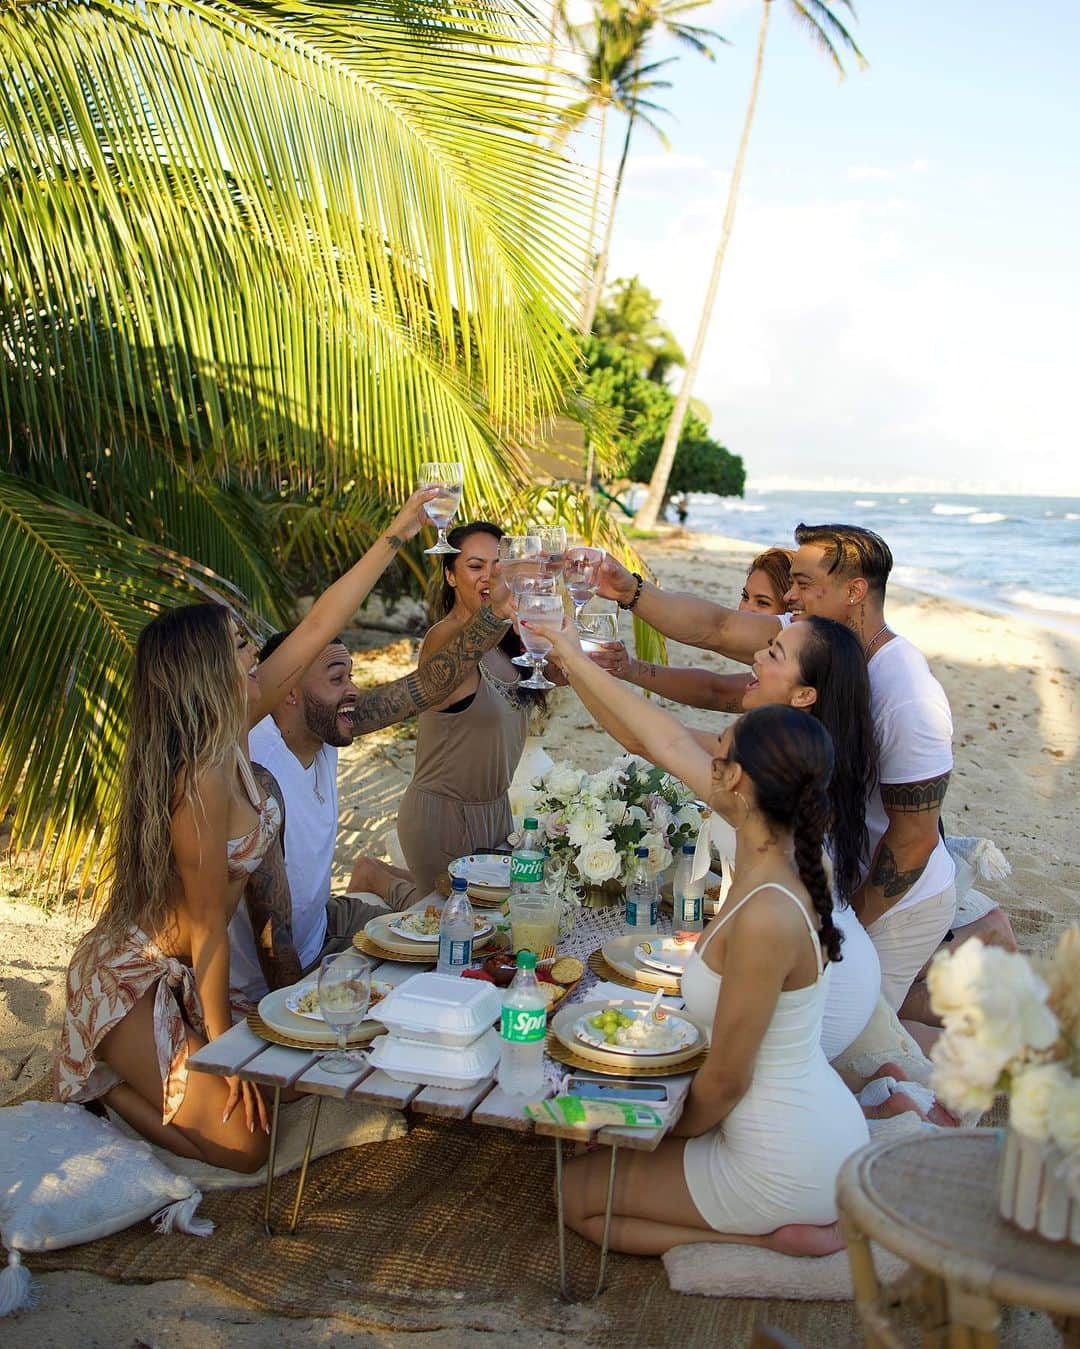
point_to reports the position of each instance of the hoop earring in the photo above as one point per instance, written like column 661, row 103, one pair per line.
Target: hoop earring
column 742, row 798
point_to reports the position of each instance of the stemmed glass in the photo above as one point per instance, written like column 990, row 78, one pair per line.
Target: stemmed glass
column 542, row 605
column 598, row 627
column 442, row 508
column 552, row 548
column 519, row 559
column 580, row 569
column 344, row 998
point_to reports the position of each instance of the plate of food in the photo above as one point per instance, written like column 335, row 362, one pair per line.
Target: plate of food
column 303, row 999
column 485, row 871
column 422, row 925
column 637, row 1031
column 671, row 955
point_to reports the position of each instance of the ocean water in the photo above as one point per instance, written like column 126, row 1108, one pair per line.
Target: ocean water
column 1014, row 554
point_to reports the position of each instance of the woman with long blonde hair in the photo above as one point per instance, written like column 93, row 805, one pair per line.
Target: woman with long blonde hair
column 149, row 984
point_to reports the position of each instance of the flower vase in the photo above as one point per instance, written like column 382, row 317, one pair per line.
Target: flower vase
column 1032, row 1193
column 603, row 896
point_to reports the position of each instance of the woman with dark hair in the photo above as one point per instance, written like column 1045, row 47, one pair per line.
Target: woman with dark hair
column 768, row 1124
column 468, row 747
column 149, row 984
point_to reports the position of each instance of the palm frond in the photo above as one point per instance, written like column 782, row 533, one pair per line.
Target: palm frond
column 827, row 32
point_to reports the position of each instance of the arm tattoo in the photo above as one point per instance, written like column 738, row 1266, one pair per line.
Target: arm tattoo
column 887, row 876
column 915, row 798
column 394, row 542
column 433, row 681
column 269, row 903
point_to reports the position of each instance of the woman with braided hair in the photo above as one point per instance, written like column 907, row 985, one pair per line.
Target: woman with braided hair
column 768, row 1124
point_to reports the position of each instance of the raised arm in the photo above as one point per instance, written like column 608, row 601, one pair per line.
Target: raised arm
column 434, row 680
column 334, row 607
column 690, row 685
column 656, row 734
column 688, row 619
column 269, row 901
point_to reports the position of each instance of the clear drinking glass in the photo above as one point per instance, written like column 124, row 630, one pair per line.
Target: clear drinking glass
column 580, row 568
column 442, row 508
column 519, row 561
column 598, row 626
column 344, row 998
column 552, row 548
column 542, row 605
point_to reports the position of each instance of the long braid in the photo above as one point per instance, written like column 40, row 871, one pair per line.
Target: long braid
column 812, row 813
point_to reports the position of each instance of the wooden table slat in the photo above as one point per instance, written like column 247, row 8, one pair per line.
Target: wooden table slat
column 319, row 1082
column 500, row 1110
column 278, row 1066
column 450, row 1103
column 378, row 1088
column 229, row 1052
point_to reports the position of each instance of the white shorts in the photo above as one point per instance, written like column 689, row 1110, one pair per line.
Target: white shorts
column 906, row 940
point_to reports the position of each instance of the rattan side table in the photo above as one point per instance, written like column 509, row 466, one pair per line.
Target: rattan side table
column 932, row 1199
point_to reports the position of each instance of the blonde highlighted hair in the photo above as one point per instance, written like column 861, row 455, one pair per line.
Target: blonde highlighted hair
column 776, row 564
column 187, row 715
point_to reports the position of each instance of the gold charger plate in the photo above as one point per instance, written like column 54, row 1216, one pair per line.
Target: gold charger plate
column 379, row 931
column 619, row 955
column 363, row 1036
column 367, row 947
column 566, row 1017
column 603, row 970
column 561, row 1054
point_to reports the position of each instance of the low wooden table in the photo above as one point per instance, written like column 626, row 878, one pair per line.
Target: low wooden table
column 932, row 1199
column 240, row 1051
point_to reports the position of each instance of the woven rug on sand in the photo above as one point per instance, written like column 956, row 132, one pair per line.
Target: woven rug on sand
column 452, row 1227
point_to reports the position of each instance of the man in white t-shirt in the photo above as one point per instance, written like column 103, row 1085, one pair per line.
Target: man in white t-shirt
column 907, row 900
column 290, row 918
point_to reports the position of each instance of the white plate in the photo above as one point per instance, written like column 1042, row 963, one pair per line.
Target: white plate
column 687, row 1037
column 665, row 954
column 318, row 1034
column 294, row 994
column 488, row 869
column 398, row 928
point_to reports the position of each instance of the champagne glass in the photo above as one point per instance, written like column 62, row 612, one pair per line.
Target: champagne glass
column 597, row 627
column 344, row 998
column 519, row 558
column 580, row 570
column 542, row 605
column 553, row 548
column 442, row 508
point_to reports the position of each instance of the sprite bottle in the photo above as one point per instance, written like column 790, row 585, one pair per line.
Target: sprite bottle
column 523, row 1030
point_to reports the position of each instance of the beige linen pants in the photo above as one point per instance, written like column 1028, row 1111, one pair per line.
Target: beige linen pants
column 906, row 940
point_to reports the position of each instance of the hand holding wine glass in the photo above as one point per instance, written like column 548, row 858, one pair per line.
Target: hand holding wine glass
column 344, row 998
column 540, row 611
column 553, row 548
column 449, row 477
column 580, row 568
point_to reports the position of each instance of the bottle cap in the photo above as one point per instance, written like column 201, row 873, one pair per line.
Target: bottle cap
column 526, row 960
column 459, row 884
column 641, row 852
column 530, row 823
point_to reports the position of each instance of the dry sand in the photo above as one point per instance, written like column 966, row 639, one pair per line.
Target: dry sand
column 1013, row 688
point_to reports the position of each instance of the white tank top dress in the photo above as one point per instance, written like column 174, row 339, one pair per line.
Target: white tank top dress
column 775, row 1158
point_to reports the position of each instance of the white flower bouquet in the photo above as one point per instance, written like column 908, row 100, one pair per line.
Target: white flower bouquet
column 1012, row 1029
column 591, row 823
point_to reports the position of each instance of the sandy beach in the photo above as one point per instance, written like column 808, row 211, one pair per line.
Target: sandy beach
column 1013, row 689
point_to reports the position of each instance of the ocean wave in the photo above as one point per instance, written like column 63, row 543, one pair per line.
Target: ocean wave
column 943, row 508
column 986, row 518
column 861, row 502
column 1036, row 599
column 1072, row 515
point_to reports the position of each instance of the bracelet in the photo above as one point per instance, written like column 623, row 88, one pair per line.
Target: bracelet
column 637, row 591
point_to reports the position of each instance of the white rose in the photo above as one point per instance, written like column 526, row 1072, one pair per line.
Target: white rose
column 563, row 781
column 993, row 993
column 598, row 861
column 1064, row 1113
column 618, row 812
column 662, row 817
column 1034, row 1088
column 586, row 826
column 602, row 784
column 659, row 852
column 964, row 1076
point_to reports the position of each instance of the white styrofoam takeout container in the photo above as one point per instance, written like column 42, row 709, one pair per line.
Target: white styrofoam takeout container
column 441, row 1009
column 433, row 1065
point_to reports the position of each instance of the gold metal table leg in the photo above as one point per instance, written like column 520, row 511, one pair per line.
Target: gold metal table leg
column 304, row 1165
column 268, row 1194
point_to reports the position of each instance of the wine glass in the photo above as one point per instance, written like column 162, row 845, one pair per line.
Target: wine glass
column 580, row 569
column 598, row 626
column 344, row 998
column 442, row 508
column 552, row 548
column 542, row 605
column 519, row 560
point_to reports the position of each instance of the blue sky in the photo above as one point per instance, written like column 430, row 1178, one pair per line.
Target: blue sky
column 900, row 300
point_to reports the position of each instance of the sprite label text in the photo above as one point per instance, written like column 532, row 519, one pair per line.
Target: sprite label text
column 526, row 870
column 524, row 1025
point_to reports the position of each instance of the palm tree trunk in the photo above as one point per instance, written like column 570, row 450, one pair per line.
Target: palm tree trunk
column 587, row 276
column 600, row 273
column 649, row 510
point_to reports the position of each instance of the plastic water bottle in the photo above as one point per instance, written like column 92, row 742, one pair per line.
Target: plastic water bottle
column 527, row 861
column 687, row 893
column 523, row 1030
column 642, row 896
column 456, row 929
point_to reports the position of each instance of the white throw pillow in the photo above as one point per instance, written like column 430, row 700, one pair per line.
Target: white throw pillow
column 67, row 1176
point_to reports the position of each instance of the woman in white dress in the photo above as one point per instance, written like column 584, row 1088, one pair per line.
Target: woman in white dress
column 768, row 1124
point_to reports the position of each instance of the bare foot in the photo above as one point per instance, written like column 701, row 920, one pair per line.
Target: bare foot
column 889, row 1069
column 899, row 1103
column 937, row 1114
column 803, row 1239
